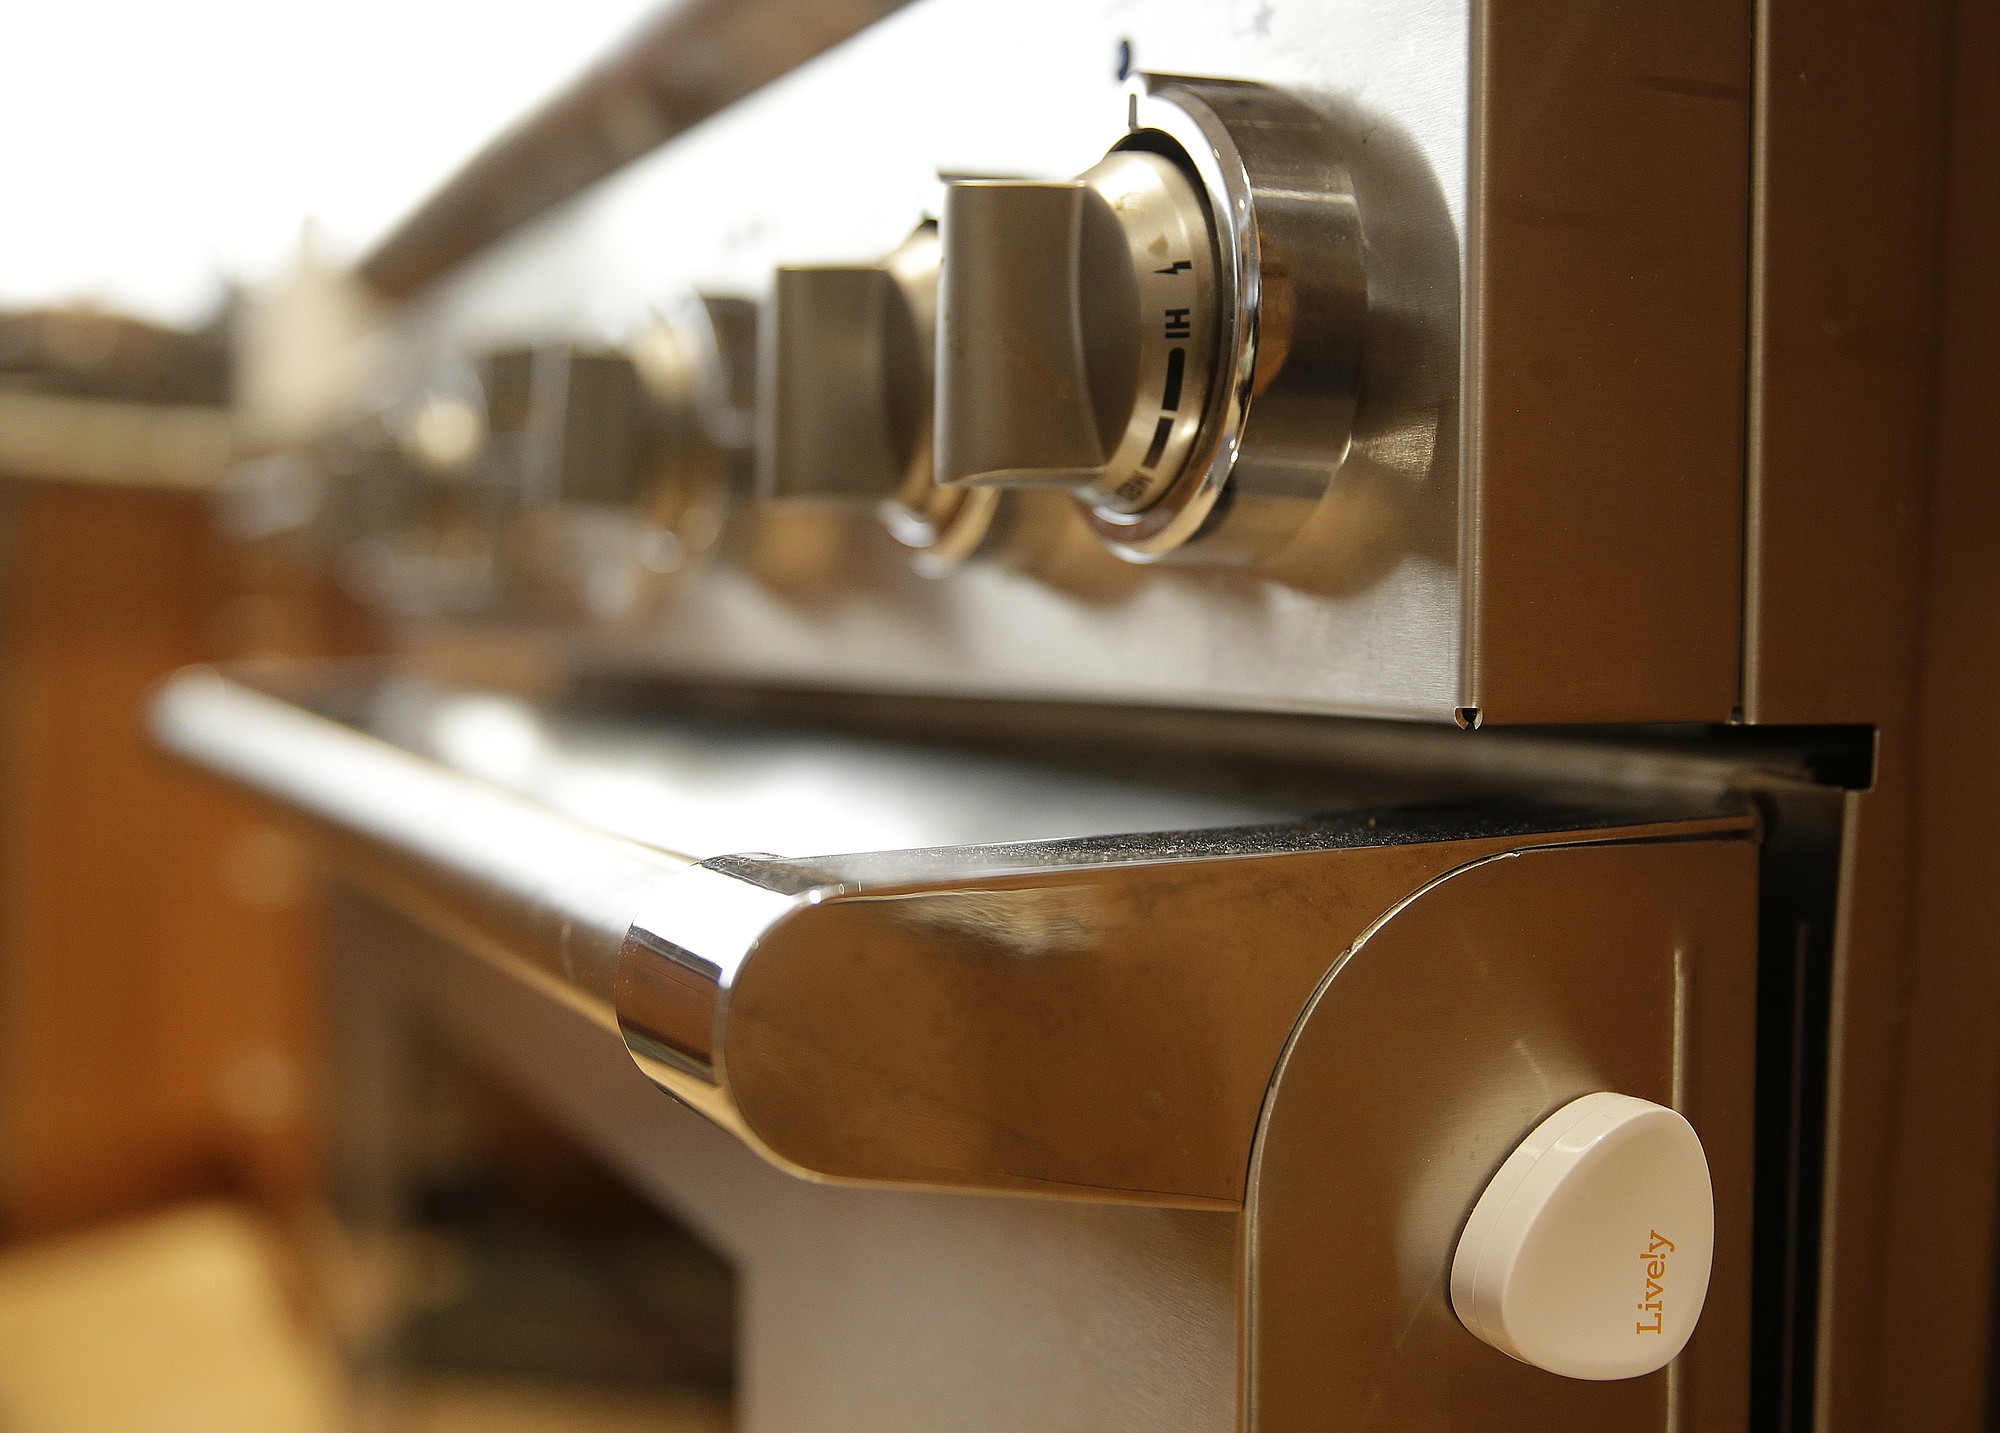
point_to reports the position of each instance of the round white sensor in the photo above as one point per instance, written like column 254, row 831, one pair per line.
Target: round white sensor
column 1588, row 1254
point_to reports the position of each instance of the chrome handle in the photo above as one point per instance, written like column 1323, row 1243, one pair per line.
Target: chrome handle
column 1097, row 1017
column 504, row 874
column 1094, row 1017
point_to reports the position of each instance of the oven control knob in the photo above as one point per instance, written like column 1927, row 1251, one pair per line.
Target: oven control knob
column 846, row 402
column 586, row 425
column 1082, row 330
column 697, row 367
column 1173, row 337
column 394, row 493
column 629, row 457
column 1588, row 1254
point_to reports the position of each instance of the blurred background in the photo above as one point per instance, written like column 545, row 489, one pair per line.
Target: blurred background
column 175, row 1251
column 170, row 153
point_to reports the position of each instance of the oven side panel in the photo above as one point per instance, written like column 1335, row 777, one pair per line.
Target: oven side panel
column 1608, row 228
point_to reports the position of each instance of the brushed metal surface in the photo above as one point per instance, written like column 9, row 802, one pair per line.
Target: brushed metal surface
column 1608, row 234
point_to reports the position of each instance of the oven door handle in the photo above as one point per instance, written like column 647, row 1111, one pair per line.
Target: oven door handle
column 505, row 875
column 1099, row 1017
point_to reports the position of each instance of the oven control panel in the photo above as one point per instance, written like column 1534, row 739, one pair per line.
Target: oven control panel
column 1157, row 353
column 1173, row 337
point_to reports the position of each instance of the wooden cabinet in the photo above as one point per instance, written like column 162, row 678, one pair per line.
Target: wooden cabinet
column 157, row 990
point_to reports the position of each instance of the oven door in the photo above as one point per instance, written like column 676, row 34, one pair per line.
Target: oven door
column 1029, row 1085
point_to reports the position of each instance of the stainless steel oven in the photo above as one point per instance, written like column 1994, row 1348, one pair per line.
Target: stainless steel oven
column 1142, row 698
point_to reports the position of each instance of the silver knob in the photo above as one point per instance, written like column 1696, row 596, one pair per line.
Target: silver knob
column 698, row 367
column 849, row 377
column 631, row 459
column 1108, row 335
column 586, row 417
column 1079, row 331
column 847, row 399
